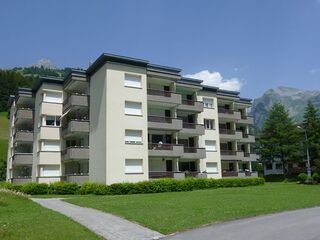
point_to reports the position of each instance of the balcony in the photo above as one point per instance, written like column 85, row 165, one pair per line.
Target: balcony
column 243, row 174
column 76, row 127
column 192, row 129
column 22, row 159
column 192, row 106
column 249, row 157
column 21, row 180
column 246, row 119
column 23, row 115
column 76, row 100
column 244, row 137
column 228, row 114
column 227, row 134
column 226, row 173
column 158, row 174
column 231, row 155
column 165, row 150
column 164, row 123
column 194, row 153
column 81, row 178
column 23, row 136
column 75, row 153
column 164, row 97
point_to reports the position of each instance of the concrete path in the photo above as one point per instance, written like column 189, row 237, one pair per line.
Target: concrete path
column 104, row 224
column 301, row 224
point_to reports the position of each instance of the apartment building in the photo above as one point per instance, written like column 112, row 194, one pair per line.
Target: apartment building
column 127, row 120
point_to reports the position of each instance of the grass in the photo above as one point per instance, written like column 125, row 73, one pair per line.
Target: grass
column 172, row 212
column 20, row 218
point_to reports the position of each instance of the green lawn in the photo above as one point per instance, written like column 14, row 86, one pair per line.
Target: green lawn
column 20, row 218
column 171, row 212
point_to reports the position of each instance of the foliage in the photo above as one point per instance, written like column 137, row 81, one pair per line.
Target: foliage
column 154, row 186
column 63, row 188
column 302, row 177
column 311, row 124
column 316, row 177
column 280, row 138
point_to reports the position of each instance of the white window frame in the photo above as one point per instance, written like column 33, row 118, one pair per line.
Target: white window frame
column 208, row 103
column 52, row 148
column 132, row 111
column 55, row 120
column 132, row 80
column 211, row 124
column 214, row 146
column 45, row 99
column 134, row 168
column 208, row 169
column 45, row 171
column 135, row 138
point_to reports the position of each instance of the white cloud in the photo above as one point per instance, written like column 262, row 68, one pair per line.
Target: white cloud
column 215, row 79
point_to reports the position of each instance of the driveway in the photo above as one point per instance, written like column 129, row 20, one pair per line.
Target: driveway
column 301, row 224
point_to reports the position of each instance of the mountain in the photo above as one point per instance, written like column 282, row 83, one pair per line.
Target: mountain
column 295, row 100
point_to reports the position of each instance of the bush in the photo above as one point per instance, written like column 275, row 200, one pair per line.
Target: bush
column 302, row 177
column 34, row 188
column 316, row 177
column 152, row 186
column 274, row 178
column 63, row 188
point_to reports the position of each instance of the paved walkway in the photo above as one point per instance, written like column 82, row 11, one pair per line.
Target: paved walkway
column 293, row 225
column 104, row 224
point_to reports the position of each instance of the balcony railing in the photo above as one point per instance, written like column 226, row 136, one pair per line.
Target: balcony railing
column 227, row 131
column 246, row 154
column 79, row 100
column 228, row 152
column 224, row 110
column 229, row 173
column 160, row 119
column 157, row 92
column 190, row 125
column 156, row 174
column 75, row 152
column 160, row 146
column 190, row 102
column 194, row 153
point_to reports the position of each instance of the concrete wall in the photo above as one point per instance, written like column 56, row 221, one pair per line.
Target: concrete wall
column 211, row 113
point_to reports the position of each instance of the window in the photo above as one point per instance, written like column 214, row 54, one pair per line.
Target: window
column 133, row 108
column 133, row 166
column 50, row 171
column 209, row 124
column 210, row 145
column 212, row 167
column 269, row 166
column 52, row 121
column 279, row 166
column 53, row 97
column 51, row 146
column 133, row 137
column 208, row 102
column 132, row 80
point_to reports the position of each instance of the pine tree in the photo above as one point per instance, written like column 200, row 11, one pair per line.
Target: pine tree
column 311, row 123
column 280, row 137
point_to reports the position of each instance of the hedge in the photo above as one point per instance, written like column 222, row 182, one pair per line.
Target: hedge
column 152, row 186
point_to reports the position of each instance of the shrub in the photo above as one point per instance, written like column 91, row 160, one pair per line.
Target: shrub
column 302, row 177
column 63, row 188
column 316, row 177
column 274, row 178
column 34, row 188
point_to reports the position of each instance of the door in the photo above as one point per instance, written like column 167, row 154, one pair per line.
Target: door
column 168, row 139
column 190, row 119
column 167, row 113
column 231, row 167
column 157, row 138
column 169, row 165
column 191, row 142
column 166, row 88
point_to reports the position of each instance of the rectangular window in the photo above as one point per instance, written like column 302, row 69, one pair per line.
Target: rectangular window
column 212, row 167
column 133, row 166
column 279, row 166
column 132, row 81
column 269, row 166
column 133, row 137
column 50, row 145
column 210, row 145
column 209, row 124
column 53, row 97
column 208, row 102
column 133, row 108
column 50, row 171
column 52, row 121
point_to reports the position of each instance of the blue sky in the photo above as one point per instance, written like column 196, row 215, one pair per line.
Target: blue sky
column 249, row 44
